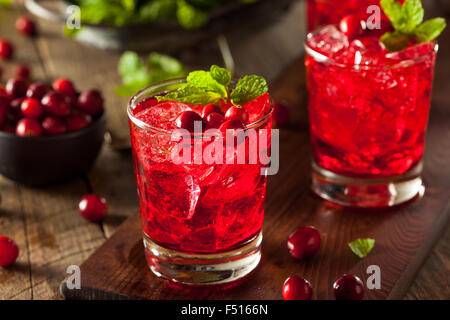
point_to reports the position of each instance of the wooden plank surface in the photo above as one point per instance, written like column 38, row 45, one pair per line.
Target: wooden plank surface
column 45, row 224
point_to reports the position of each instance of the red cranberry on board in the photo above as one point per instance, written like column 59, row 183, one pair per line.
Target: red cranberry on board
column 348, row 287
column 8, row 251
column 28, row 127
column 297, row 288
column 237, row 113
column 66, row 87
column 304, row 242
column 78, row 122
column 210, row 108
column 16, row 87
column 187, row 120
column 37, row 90
column 214, row 120
column 91, row 101
column 350, row 25
column 22, row 71
column 281, row 115
column 56, row 104
column 31, row 108
column 26, row 26
column 6, row 49
column 93, row 207
column 54, row 126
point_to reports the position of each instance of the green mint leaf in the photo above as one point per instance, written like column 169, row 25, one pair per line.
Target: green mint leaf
column 158, row 10
column 190, row 17
column 362, row 247
column 132, row 69
column 191, row 95
column 430, row 29
column 166, row 63
column 204, row 80
column 221, row 75
column 249, row 88
column 395, row 41
column 412, row 15
column 393, row 11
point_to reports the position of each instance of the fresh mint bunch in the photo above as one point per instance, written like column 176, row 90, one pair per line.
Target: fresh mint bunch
column 407, row 20
column 362, row 247
column 137, row 74
column 205, row 87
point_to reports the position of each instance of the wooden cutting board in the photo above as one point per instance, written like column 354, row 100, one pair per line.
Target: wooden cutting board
column 404, row 235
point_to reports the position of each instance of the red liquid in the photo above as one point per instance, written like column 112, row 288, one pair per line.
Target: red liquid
column 368, row 120
column 195, row 208
column 325, row 12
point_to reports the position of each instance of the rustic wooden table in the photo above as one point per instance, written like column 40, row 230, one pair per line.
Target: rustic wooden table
column 45, row 222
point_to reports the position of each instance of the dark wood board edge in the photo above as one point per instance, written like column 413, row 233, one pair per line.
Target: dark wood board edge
column 407, row 277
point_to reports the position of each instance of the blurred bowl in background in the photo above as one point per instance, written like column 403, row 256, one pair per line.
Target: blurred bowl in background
column 42, row 161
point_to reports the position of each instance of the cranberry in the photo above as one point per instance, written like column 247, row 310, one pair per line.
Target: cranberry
column 15, row 114
column 281, row 115
column 6, row 49
column 26, row 26
column 3, row 91
column 16, row 88
column 78, row 122
column 348, row 287
column 28, row 127
column 187, row 119
column 210, row 108
column 297, row 288
column 350, row 25
column 304, row 242
column 214, row 120
column 4, row 109
column 56, row 104
column 66, row 87
column 31, row 108
column 8, row 251
column 237, row 113
column 37, row 90
column 231, row 125
column 22, row 71
column 9, row 128
column 92, row 207
column 234, row 127
column 53, row 126
column 91, row 101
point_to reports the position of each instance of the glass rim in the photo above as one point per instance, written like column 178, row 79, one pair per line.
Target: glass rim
column 320, row 57
column 161, row 84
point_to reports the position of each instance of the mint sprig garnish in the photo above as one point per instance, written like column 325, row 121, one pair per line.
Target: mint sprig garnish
column 205, row 87
column 407, row 20
column 362, row 247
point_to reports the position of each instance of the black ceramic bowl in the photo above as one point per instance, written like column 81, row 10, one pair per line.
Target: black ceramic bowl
column 42, row 161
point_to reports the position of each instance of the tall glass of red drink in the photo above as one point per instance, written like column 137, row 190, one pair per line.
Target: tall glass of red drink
column 202, row 222
column 368, row 110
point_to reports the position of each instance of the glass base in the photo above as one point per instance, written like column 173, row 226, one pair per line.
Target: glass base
column 367, row 193
column 203, row 269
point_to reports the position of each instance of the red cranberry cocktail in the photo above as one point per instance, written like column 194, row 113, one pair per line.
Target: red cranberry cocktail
column 368, row 109
column 202, row 222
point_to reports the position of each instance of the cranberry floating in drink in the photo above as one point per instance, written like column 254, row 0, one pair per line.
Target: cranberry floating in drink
column 202, row 219
column 369, row 100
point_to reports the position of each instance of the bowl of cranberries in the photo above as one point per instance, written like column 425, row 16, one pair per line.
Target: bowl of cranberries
column 48, row 133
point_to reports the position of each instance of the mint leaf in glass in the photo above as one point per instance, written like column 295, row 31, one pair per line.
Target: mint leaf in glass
column 191, row 95
column 362, row 247
column 248, row 88
column 204, row 80
column 221, row 75
column 407, row 22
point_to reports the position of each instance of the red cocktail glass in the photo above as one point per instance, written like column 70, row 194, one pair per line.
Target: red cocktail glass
column 368, row 111
column 202, row 222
